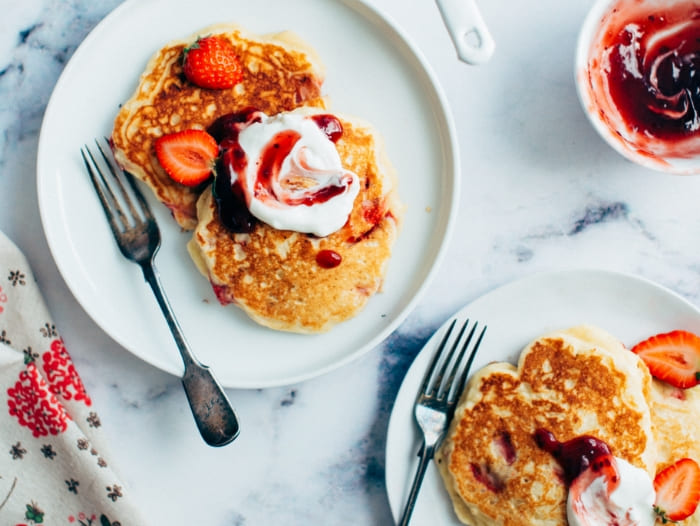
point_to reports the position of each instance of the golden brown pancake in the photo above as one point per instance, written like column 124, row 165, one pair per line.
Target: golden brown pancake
column 572, row 383
column 280, row 73
column 273, row 275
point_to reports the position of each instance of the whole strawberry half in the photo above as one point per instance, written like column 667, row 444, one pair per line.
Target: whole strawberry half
column 188, row 156
column 673, row 357
column 211, row 62
column 677, row 490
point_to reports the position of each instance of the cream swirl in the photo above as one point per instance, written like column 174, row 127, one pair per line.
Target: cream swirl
column 630, row 503
column 293, row 178
column 671, row 64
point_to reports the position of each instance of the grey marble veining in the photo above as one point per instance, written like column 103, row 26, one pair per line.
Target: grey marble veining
column 541, row 191
column 38, row 40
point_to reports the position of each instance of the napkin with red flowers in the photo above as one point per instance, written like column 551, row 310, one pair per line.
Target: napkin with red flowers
column 53, row 466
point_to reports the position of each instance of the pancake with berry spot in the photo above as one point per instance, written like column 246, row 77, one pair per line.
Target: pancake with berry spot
column 673, row 359
column 572, row 383
column 676, row 416
column 278, row 72
column 301, row 282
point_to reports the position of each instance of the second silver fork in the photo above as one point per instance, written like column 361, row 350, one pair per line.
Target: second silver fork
column 138, row 238
column 437, row 398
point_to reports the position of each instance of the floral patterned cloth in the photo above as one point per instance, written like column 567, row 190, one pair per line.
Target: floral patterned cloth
column 52, row 467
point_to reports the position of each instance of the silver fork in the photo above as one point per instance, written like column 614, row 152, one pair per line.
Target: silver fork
column 138, row 238
column 437, row 398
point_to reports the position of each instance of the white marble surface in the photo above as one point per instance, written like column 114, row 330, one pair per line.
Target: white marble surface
column 540, row 191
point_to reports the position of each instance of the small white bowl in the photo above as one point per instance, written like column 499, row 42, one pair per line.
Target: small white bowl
column 605, row 18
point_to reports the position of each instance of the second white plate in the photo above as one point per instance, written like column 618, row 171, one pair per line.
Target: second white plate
column 372, row 72
column 631, row 308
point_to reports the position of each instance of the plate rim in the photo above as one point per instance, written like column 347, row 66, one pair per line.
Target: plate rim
column 462, row 313
column 447, row 146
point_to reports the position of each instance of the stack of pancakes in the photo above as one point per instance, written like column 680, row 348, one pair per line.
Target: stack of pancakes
column 581, row 381
column 280, row 73
column 271, row 274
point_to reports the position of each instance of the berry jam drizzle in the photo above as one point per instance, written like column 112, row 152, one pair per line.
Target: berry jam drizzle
column 574, row 455
column 504, row 444
column 229, row 195
column 274, row 154
column 330, row 125
column 654, row 69
column 228, row 190
column 271, row 161
column 328, row 258
column 227, row 127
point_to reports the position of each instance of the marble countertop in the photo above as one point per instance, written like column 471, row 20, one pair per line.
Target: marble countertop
column 541, row 191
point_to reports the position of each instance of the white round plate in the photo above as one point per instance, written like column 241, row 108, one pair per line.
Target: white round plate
column 629, row 307
column 372, row 72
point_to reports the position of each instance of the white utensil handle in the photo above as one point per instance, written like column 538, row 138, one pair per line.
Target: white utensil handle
column 467, row 29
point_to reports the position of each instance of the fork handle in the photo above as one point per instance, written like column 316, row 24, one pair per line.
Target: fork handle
column 213, row 413
column 425, row 454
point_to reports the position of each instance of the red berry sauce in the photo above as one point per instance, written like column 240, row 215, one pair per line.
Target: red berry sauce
column 574, row 455
column 230, row 198
column 647, row 66
column 330, row 125
column 274, row 154
column 483, row 474
column 228, row 190
column 328, row 259
column 504, row 444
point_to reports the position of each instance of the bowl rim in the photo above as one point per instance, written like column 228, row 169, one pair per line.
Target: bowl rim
column 589, row 31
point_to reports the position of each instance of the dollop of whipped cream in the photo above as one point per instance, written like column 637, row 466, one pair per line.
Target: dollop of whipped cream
column 592, row 503
column 293, row 178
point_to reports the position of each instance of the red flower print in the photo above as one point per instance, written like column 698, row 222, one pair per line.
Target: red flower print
column 3, row 299
column 83, row 519
column 34, row 406
column 60, row 372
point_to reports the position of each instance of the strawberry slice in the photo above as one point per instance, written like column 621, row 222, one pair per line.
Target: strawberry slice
column 677, row 490
column 672, row 357
column 187, row 156
column 211, row 62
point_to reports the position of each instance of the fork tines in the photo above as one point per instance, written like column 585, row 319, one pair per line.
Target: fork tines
column 117, row 196
column 437, row 398
column 435, row 384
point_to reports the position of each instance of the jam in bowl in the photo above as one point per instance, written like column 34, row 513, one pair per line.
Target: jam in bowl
column 638, row 78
